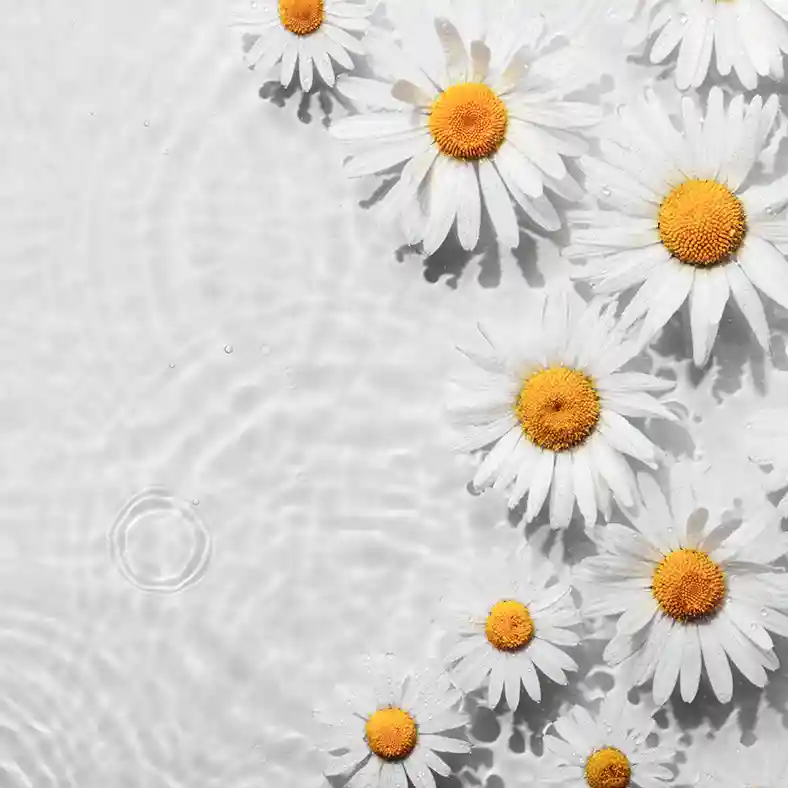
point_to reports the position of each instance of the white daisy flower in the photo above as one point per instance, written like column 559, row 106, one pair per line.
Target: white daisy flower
column 745, row 36
column 511, row 618
column 689, row 591
column 306, row 35
column 683, row 221
column 392, row 727
column 554, row 408
column 609, row 750
column 475, row 111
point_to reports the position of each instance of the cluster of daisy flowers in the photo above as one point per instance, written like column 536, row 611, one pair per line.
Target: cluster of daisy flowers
column 479, row 115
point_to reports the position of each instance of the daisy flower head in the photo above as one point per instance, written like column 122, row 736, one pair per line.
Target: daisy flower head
column 552, row 405
column 748, row 37
column 305, row 35
column 392, row 727
column 682, row 220
column 472, row 114
column 689, row 590
column 511, row 620
column 607, row 750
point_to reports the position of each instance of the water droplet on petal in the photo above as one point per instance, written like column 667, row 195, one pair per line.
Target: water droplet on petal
column 606, row 191
column 146, row 124
column 683, row 19
column 228, row 349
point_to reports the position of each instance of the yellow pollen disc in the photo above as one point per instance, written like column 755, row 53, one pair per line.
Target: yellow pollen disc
column 509, row 626
column 608, row 768
column 702, row 223
column 558, row 408
column 688, row 585
column 468, row 121
column 301, row 17
column 391, row 733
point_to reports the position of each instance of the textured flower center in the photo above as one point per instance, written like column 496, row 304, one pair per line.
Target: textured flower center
column 509, row 626
column 391, row 733
column 301, row 17
column 608, row 768
column 702, row 223
column 468, row 121
column 558, row 408
column 688, row 585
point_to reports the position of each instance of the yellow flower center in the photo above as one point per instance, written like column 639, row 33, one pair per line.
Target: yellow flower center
column 702, row 223
column 301, row 17
column 688, row 585
column 509, row 626
column 391, row 733
column 468, row 121
column 558, row 408
column 608, row 768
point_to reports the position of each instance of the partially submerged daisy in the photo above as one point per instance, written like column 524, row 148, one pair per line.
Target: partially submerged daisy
column 608, row 750
column 511, row 620
column 748, row 37
column 688, row 591
column 682, row 221
column 475, row 113
column 392, row 727
column 304, row 35
column 554, row 412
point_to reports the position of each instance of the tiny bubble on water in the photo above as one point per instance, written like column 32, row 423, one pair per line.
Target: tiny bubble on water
column 228, row 349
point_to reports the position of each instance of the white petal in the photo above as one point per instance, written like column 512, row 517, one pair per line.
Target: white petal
column 498, row 204
column 668, row 666
column 540, row 484
column 766, row 268
column 690, row 665
column 708, row 298
column 562, row 500
column 469, row 211
column 717, row 667
column 749, row 302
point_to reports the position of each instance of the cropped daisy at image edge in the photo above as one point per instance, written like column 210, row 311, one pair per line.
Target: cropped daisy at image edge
column 304, row 36
column 606, row 750
column 682, row 220
column 390, row 728
column 689, row 592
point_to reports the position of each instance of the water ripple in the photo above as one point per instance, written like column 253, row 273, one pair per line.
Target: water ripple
column 159, row 542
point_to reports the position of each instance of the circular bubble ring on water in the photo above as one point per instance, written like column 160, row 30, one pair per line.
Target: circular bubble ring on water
column 160, row 512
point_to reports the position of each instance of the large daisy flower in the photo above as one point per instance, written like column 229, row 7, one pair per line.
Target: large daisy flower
column 392, row 727
column 307, row 35
column 553, row 407
column 746, row 36
column 609, row 750
column 511, row 618
column 682, row 220
column 475, row 112
column 689, row 590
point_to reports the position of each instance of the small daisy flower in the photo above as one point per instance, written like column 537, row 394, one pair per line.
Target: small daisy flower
column 393, row 726
column 475, row 112
column 554, row 410
column 745, row 36
column 511, row 619
column 307, row 35
column 608, row 750
column 682, row 221
column 689, row 591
